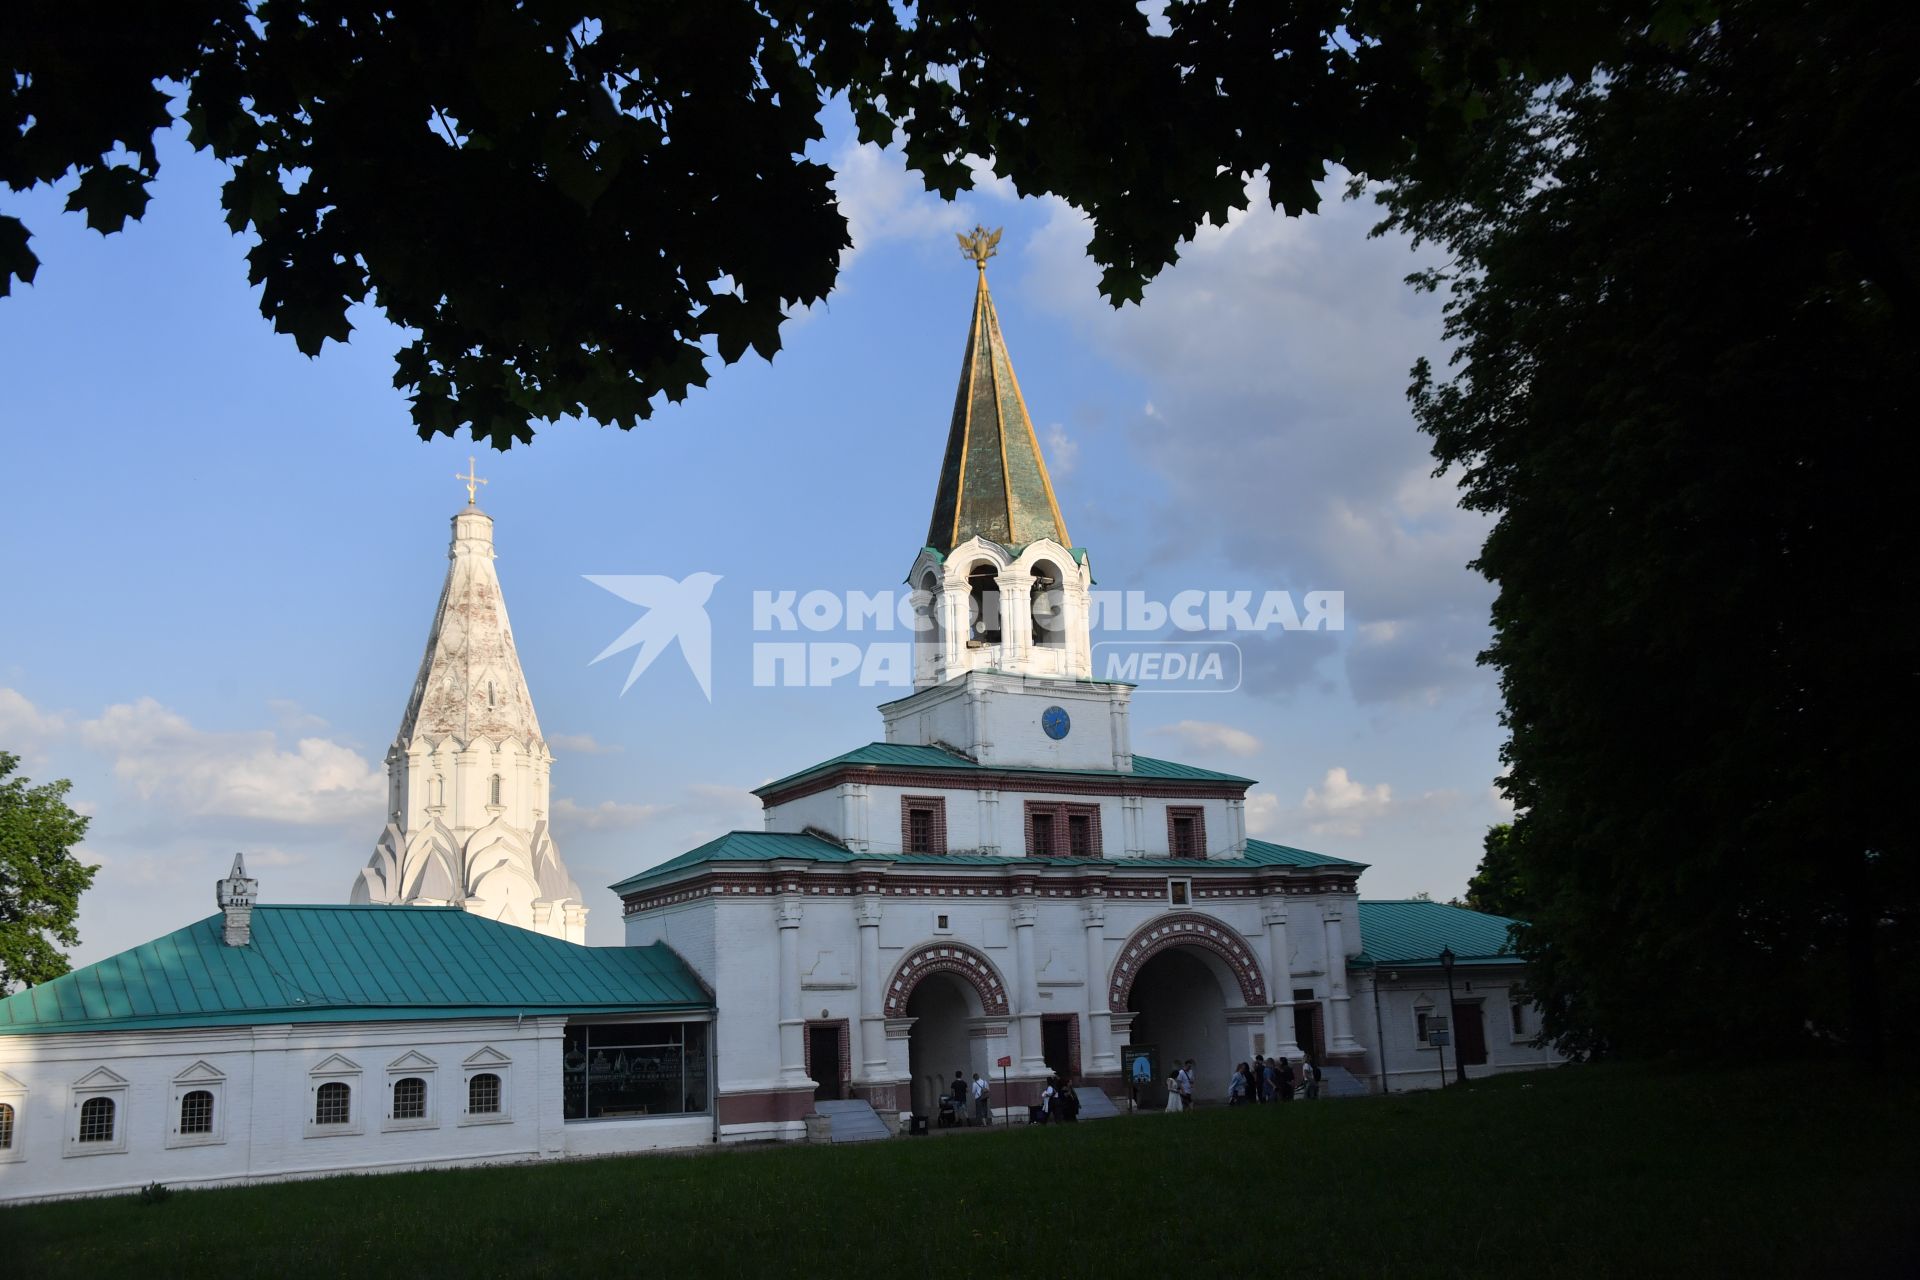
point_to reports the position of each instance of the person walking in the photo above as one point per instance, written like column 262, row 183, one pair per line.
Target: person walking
column 1310, row 1073
column 1174, row 1101
column 982, row 1100
column 1270, row 1081
column 1047, row 1096
column 1286, row 1081
column 1237, row 1087
column 1186, row 1086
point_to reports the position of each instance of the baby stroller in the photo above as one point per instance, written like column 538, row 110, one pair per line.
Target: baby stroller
column 949, row 1112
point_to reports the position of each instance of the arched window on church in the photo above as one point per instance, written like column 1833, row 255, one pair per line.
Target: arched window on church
column 6, row 1126
column 983, row 590
column 410, row 1098
column 483, row 1094
column 493, row 790
column 1045, row 605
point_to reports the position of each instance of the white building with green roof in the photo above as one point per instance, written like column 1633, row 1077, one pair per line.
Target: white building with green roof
column 1002, row 886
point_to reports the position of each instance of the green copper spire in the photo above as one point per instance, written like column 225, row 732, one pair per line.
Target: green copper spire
column 993, row 482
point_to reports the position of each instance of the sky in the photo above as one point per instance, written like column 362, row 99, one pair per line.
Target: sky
column 221, row 558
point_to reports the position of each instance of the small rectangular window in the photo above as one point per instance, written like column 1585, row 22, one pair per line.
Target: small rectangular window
column 923, row 824
column 1080, row 835
column 940, row 922
column 1179, row 893
column 1420, row 1025
column 1518, row 1012
column 1186, row 831
column 1040, row 843
column 196, row 1112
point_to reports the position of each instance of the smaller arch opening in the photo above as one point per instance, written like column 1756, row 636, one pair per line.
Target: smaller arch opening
column 927, row 636
column 1047, row 605
column 983, row 590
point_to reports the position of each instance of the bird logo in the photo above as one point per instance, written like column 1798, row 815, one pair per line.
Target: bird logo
column 674, row 611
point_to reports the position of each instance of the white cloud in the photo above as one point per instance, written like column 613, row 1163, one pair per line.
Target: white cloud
column 1062, row 451
column 245, row 774
column 1340, row 805
column 582, row 744
column 1263, row 814
column 292, row 718
column 1276, row 354
column 1206, row 735
column 882, row 199
column 23, row 725
column 608, row 815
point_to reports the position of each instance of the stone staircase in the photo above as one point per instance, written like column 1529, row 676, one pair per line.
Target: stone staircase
column 1338, row 1082
column 854, row 1121
column 1095, row 1105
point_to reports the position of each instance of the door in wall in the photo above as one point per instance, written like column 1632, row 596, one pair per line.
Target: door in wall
column 1469, row 1035
column 823, row 1045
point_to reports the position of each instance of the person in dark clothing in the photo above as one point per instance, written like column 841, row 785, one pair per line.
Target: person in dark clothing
column 1286, row 1081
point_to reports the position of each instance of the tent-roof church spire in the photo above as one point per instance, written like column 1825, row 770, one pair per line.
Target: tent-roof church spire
column 993, row 480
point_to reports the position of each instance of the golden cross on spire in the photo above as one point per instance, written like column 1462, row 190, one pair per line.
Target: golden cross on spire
column 981, row 245
column 470, row 478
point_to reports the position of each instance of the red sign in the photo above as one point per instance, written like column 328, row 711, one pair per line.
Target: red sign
column 1004, row 1062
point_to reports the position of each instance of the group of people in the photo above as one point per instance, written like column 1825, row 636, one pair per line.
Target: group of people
column 1273, row 1080
column 1262, row 1080
column 968, row 1104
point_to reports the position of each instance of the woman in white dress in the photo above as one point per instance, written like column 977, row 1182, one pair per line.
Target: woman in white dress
column 1174, row 1102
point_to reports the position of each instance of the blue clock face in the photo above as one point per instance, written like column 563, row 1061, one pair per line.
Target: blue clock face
column 1054, row 721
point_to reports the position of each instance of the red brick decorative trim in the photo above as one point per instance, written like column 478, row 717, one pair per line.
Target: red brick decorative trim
column 946, row 957
column 1199, row 817
column 936, row 806
column 1212, row 879
column 1062, row 812
column 1105, row 786
column 1185, row 929
column 773, row 1106
column 846, row 1050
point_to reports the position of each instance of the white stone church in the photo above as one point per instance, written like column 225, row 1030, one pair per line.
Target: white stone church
column 1000, row 885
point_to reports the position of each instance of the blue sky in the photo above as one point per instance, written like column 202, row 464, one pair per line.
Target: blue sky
column 221, row 558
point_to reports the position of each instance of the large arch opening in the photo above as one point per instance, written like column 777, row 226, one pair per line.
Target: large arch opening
column 943, row 1007
column 1179, row 1003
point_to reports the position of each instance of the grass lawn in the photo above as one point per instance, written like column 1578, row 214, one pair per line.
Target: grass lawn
column 1580, row 1171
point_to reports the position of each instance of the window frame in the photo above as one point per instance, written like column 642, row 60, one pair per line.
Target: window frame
column 336, row 1069
column 201, row 1077
column 101, row 1082
column 486, row 1060
column 411, row 1065
column 936, row 809
column 1059, row 815
column 1176, row 813
column 14, row 1094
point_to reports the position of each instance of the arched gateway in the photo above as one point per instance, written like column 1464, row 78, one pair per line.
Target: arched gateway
column 951, row 993
column 1177, row 977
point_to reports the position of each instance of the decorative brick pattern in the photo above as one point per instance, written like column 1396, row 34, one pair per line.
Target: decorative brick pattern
column 1185, row 929
column 946, row 957
column 935, row 809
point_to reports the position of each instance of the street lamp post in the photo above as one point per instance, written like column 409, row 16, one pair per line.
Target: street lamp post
column 1446, row 967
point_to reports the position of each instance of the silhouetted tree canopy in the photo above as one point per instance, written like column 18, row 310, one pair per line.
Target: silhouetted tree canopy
column 571, row 206
column 1685, row 298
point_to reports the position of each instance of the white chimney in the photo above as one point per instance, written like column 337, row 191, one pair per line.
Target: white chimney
column 236, row 896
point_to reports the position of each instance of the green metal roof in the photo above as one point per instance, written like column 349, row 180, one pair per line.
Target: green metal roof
column 1411, row 933
column 352, row 964
column 903, row 756
column 768, row 846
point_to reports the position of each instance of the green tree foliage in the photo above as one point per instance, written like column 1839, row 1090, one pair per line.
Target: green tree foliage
column 1685, row 297
column 40, row 879
column 1495, row 886
column 571, row 207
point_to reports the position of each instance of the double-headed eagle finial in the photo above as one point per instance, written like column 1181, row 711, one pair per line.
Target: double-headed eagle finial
column 980, row 245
